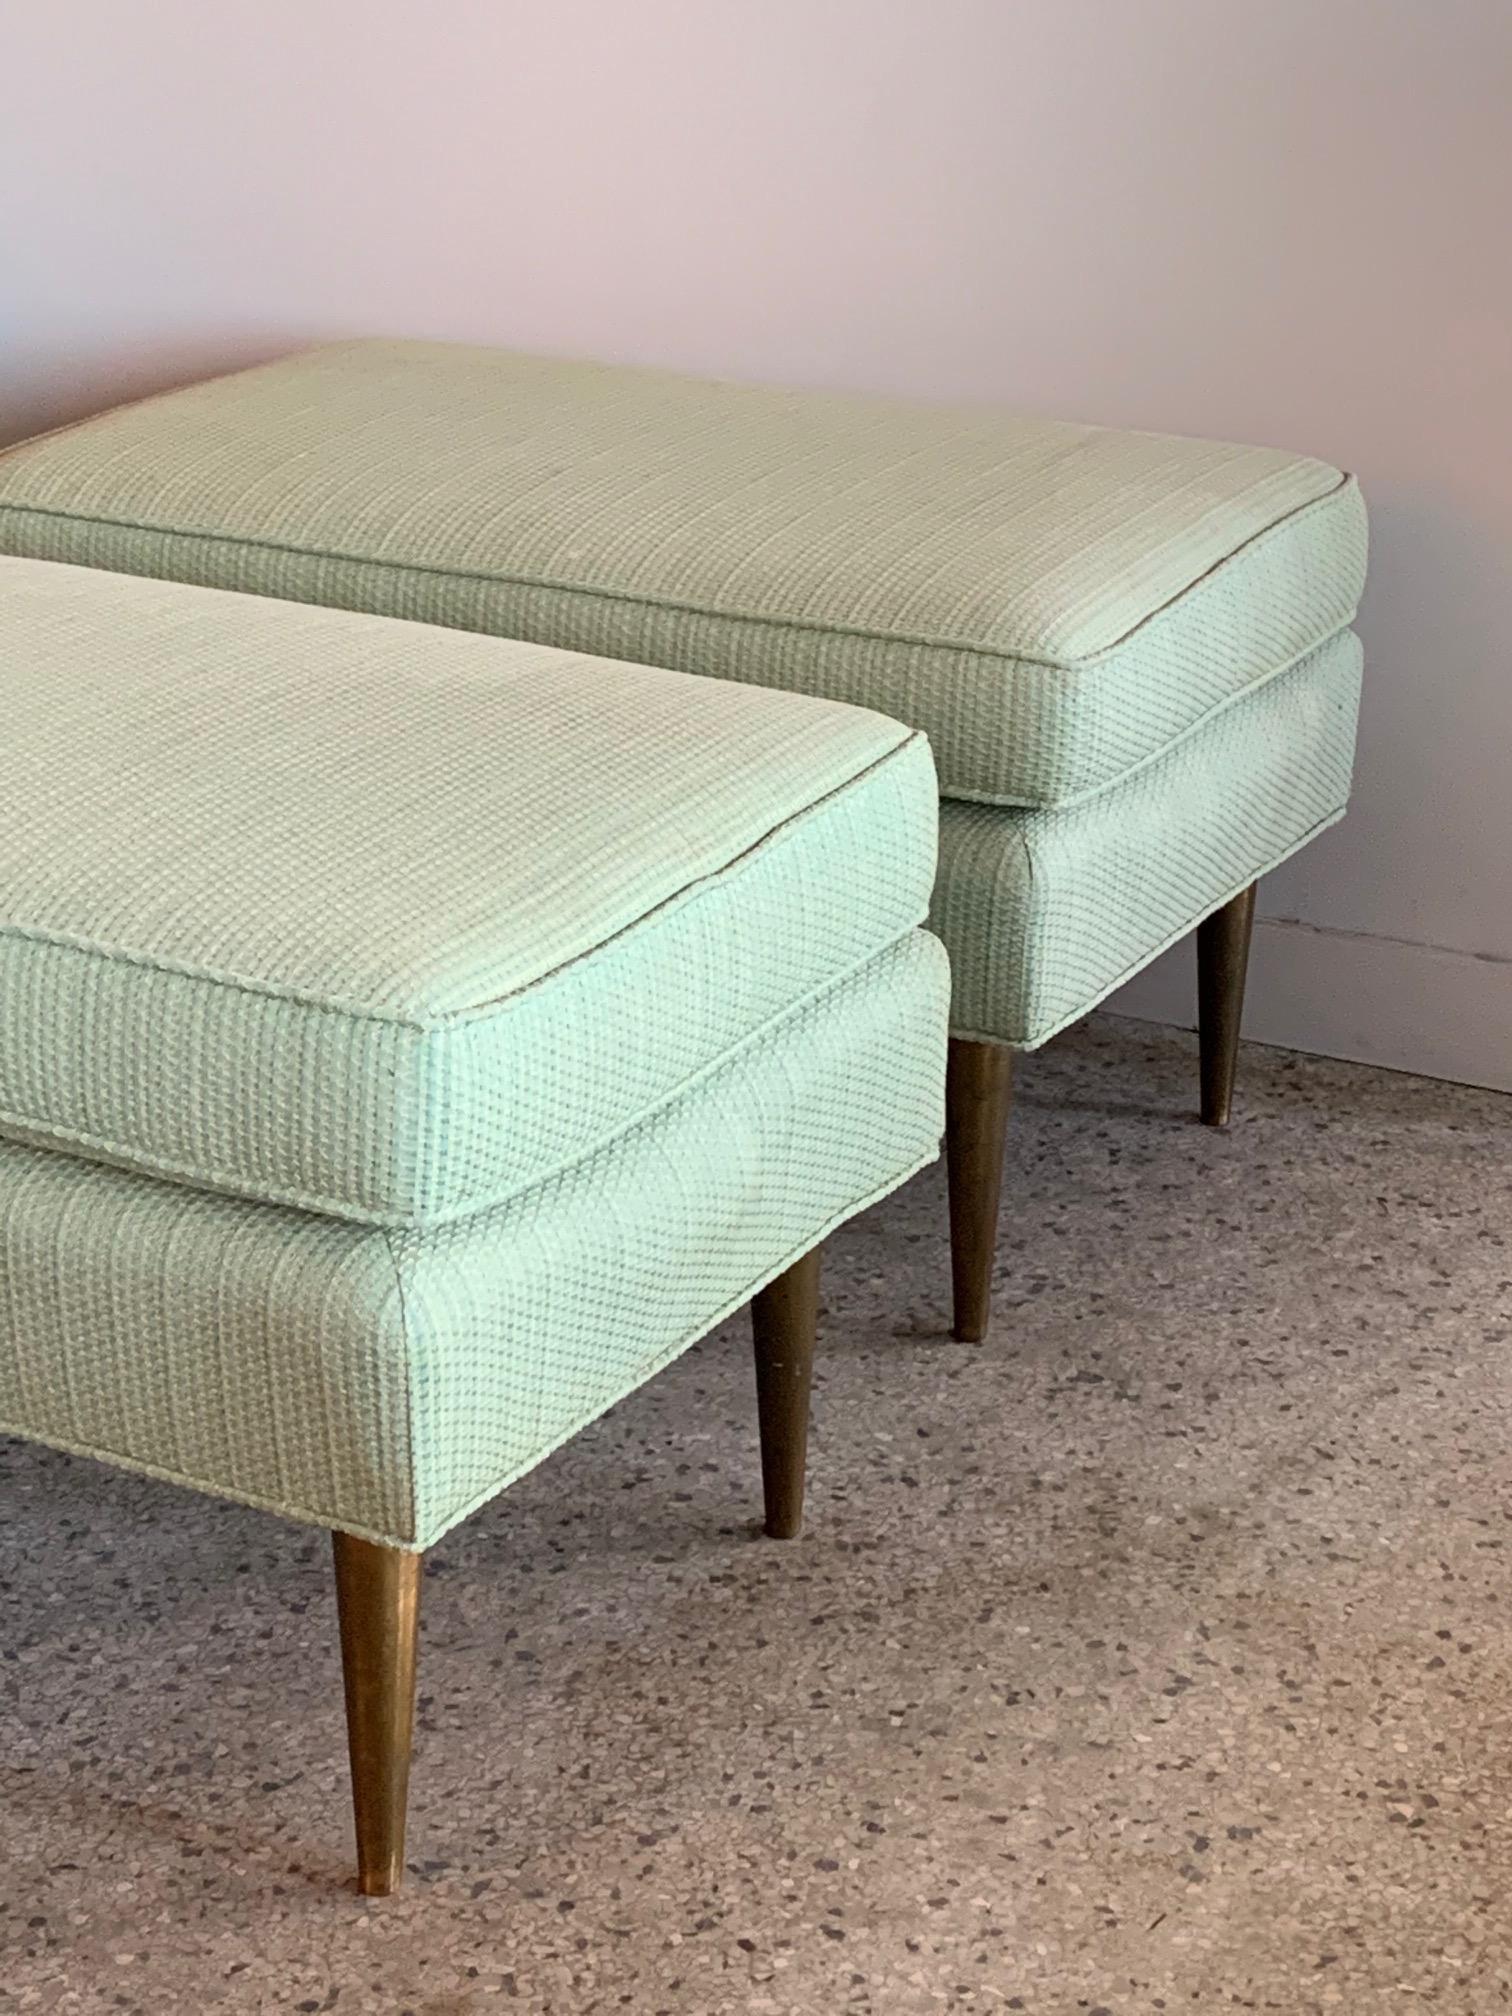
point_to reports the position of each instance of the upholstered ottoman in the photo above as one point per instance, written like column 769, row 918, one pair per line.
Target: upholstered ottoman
column 409, row 1042
column 1131, row 653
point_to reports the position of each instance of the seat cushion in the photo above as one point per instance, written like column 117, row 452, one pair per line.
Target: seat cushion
column 1053, row 604
column 1044, row 913
column 389, row 1382
column 392, row 923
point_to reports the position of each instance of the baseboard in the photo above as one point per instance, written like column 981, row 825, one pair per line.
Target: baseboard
column 1383, row 1001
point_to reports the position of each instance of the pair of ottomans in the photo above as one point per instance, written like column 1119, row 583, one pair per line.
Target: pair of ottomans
column 410, row 1040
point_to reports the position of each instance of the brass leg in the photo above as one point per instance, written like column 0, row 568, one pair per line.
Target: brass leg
column 1223, row 943
column 784, row 1317
column 378, row 1599
column 978, row 1093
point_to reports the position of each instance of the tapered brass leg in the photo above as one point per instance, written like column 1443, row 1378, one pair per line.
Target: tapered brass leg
column 378, row 1599
column 1223, row 943
column 978, row 1094
column 784, row 1317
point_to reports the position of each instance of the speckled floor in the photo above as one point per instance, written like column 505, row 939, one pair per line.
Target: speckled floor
column 1154, row 1656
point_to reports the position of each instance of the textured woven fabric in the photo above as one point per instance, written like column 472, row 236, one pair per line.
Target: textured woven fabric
column 1045, row 913
column 388, row 1383
column 389, row 922
column 1052, row 604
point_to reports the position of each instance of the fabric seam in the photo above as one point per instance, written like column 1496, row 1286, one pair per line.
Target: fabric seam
column 1235, row 697
column 1027, row 1043
column 112, row 1153
column 411, row 1545
column 406, row 1342
column 737, row 865
column 995, row 653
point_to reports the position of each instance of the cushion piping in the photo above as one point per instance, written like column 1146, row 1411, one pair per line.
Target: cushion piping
column 113, row 1153
column 1043, row 1036
column 997, row 653
column 498, row 1004
column 977, row 796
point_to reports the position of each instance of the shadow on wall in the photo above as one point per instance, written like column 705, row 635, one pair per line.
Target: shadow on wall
column 70, row 381
column 1390, row 939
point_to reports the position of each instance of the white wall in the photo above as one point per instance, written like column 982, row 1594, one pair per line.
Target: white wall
column 1286, row 222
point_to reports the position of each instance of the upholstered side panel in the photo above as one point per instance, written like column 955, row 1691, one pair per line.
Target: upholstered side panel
column 388, row 1383
column 1045, row 913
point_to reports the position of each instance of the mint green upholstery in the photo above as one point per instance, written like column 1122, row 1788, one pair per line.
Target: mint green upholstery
column 1053, row 605
column 390, row 1382
column 1047, row 912
column 573, row 1001
column 1108, row 637
column 392, row 923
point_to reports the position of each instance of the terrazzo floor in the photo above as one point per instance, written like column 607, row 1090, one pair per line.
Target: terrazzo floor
column 1154, row 1656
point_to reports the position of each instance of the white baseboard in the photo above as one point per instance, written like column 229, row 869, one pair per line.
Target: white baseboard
column 1381, row 1001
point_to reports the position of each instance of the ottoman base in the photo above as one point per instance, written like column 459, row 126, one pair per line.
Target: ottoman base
column 386, row 1384
column 390, row 1383
column 1223, row 949
column 378, row 1588
column 1047, row 912
column 979, row 1096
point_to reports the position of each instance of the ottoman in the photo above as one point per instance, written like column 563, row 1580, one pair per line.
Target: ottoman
column 1131, row 653
column 409, row 1042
